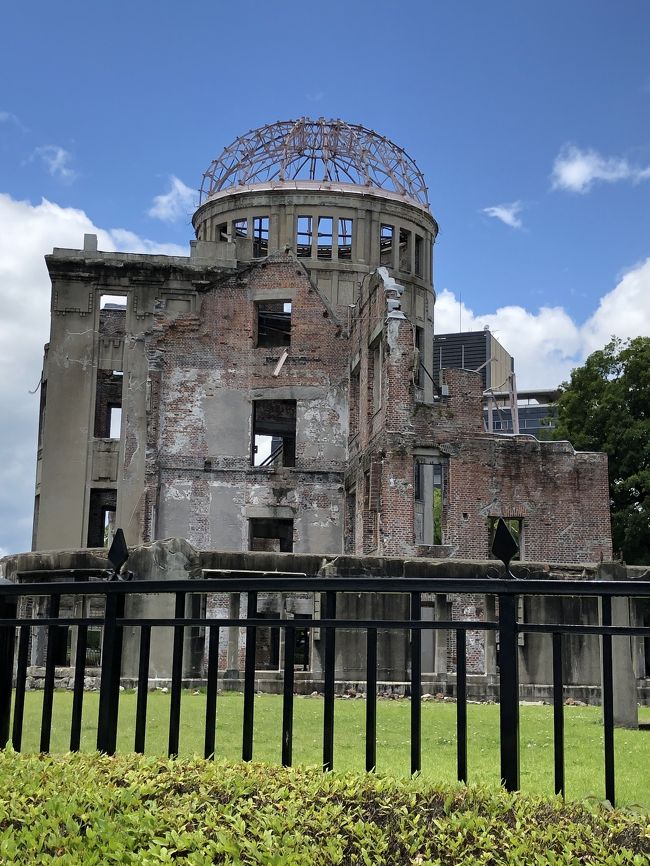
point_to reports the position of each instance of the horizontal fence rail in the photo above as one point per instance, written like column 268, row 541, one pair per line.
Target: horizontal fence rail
column 16, row 631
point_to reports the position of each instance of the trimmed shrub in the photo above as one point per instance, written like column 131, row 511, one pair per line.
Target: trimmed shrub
column 94, row 809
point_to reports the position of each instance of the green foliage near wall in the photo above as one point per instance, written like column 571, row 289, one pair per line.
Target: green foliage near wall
column 92, row 809
column 606, row 407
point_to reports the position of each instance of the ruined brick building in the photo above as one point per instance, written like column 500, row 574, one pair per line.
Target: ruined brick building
column 274, row 390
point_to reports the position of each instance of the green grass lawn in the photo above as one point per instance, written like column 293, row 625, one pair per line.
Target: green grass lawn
column 583, row 738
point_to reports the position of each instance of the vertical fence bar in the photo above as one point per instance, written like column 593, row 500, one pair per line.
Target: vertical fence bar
column 109, row 688
column 177, row 676
column 558, row 715
column 287, row 695
column 461, row 704
column 249, row 680
column 143, row 689
column 608, row 702
column 50, row 664
column 19, row 697
column 416, row 686
column 78, row 692
column 509, row 691
column 330, row 670
column 371, row 699
column 211, row 696
column 8, row 609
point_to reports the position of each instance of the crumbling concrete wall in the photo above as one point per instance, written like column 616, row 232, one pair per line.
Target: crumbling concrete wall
column 206, row 371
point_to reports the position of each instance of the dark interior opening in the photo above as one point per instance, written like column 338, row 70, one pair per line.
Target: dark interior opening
column 274, row 323
column 101, row 517
column 274, row 433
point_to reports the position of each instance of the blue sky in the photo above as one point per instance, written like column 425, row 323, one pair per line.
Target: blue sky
column 530, row 121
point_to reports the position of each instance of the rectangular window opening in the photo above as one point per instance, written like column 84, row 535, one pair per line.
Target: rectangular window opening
column 101, row 517
column 325, row 237
column 240, row 228
column 271, row 534
column 419, row 347
column 303, row 237
column 419, row 246
column 112, row 302
column 345, row 239
column 405, row 251
column 428, row 495
column 41, row 412
column 274, row 433
column 221, row 233
column 354, row 401
column 273, row 323
column 386, row 236
column 376, row 375
column 260, row 237
column 108, row 404
column 516, row 527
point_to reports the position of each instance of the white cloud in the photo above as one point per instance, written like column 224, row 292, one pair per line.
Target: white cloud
column 175, row 204
column 56, row 160
column 8, row 117
column 548, row 344
column 507, row 213
column 577, row 170
column 27, row 233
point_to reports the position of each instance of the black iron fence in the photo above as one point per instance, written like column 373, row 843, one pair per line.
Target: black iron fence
column 16, row 630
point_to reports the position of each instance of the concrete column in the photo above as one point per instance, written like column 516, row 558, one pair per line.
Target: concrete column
column 39, row 635
column 441, row 635
column 233, row 637
column 626, row 710
column 490, row 637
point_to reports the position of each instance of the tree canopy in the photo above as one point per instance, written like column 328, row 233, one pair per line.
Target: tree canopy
column 606, row 407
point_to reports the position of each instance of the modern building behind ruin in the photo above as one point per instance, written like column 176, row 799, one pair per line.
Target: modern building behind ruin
column 275, row 389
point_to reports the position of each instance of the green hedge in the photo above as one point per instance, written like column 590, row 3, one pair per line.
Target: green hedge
column 92, row 809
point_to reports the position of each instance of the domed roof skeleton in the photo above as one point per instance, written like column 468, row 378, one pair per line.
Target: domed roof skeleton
column 316, row 150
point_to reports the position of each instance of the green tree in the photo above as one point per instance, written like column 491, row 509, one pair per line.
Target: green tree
column 606, row 407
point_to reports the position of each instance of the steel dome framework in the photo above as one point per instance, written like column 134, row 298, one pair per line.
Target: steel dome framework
column 328, row 151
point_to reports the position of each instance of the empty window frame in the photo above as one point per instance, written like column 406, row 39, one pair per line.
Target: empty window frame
column 419, row 248
column 419, row 347
column 405, row 251
column 240, row 228
column 304, row 237
column 260, row 237
column 354, row 401
column 386, row 239
column 325, row 235
column 112, row 302
column 375, row 374
column 273, row 323
column 101, row 517
column 428, row 495
column 516, row 527
column 221, row 233
column 108, row 404
column 345, row 239
column 41, row 412
column 274, row 433
column 271, row 534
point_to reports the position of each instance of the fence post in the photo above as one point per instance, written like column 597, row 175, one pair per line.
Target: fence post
column 7, row 641
column 109, row 689
column 509, row 691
